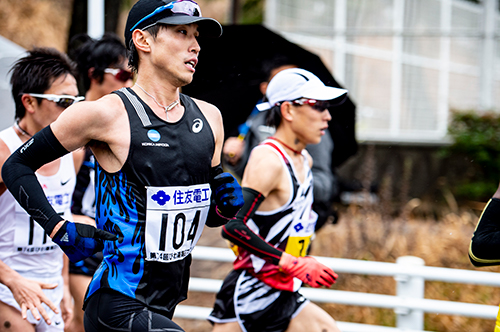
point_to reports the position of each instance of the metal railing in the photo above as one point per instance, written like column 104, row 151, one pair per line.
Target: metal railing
column 409, row 303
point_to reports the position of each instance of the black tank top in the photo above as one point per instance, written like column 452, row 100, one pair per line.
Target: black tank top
column 175, row 160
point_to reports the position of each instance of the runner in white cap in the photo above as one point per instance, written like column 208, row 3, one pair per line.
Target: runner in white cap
column 272, row 231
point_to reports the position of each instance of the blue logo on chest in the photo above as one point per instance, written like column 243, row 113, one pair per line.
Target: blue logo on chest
column 154, row 135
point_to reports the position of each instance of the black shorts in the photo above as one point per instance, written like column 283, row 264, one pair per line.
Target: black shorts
column 109, row 311
column 87, row 267
column 258, row 308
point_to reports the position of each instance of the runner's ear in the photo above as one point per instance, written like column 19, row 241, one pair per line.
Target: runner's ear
column 287, row 111
column 141, row 40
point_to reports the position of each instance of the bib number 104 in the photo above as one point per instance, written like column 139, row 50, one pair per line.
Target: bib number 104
column 171, row 235
column 178, row 234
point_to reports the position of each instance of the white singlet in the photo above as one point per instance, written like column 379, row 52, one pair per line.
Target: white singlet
column 24, row 245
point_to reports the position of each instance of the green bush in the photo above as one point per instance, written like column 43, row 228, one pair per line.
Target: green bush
column 476, row 137
column 252, row 12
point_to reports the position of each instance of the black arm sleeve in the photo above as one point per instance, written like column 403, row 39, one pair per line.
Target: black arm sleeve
column 484, row 249
column 237, row 231
column 18, row 173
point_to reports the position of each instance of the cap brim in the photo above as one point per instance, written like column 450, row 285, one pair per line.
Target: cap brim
column 263, row 106
column 325, row 93
column 209, row 27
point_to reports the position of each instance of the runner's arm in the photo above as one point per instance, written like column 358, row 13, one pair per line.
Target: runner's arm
column 226, row 191
column 237, row 231
column 78, row 157
column 484, row 248
column 18, row 173
column 75, row 127
column 262, row 176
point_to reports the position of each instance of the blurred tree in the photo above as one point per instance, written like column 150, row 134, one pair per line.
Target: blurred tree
column 476, row 137
column 252, row 12
column 31, row 23
column 247, row 11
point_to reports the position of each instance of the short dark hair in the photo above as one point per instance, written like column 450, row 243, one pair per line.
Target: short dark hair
column 278, row 60
column 133, row 56
column 98, row 54
column 35, row 73
column 273, row 116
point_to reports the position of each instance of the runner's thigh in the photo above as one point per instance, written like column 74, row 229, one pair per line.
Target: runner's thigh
column 312, row 319
column 227, row 327
column 12, row 321
column 116, row 312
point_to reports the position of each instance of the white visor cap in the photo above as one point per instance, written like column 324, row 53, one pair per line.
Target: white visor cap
column 295, row 83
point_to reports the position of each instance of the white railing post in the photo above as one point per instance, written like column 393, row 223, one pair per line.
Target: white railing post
column 409, row 287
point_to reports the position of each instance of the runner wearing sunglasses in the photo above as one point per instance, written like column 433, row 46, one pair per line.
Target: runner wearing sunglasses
column 102, row 64
column 103, row 68
column 254, row 130
column 31, row 265
column 273, row 230
column 120, row 74
column 158, row 174
column 63, row 101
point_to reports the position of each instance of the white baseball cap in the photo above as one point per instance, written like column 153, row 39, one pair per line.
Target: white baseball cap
column 295, row 83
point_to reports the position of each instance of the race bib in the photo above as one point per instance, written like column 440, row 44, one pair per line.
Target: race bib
column 175, row 217
column 29, row 236
column 300, row 235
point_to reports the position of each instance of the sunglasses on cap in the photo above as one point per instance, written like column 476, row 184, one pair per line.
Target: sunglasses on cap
column 120, row 74
column 186, row 7
column 63, row 101
column 318, row 105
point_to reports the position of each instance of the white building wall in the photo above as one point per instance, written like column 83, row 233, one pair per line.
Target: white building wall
column 406, row 63
column 9, row 53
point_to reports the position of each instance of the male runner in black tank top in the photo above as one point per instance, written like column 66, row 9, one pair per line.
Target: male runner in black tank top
column 102, row 65
column 158, row 175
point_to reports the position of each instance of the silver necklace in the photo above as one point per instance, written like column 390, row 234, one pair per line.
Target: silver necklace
column 166, row 108
column 24, row 132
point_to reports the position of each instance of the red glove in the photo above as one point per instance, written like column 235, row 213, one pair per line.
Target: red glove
column 308, row 269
